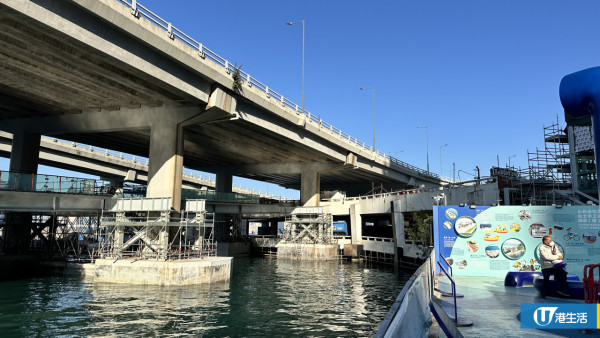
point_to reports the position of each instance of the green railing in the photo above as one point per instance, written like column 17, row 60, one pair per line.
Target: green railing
column 210, row 195
column 11, row 181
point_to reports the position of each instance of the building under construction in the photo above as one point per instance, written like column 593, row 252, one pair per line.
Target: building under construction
column 563, row 172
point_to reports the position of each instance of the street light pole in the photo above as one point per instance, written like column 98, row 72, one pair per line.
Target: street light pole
column 427, row 140
column 441, row 172
column 289, row 24
column 373, row 89
column 509, row 159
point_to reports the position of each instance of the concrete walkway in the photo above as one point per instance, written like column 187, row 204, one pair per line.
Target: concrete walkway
column 494, row 309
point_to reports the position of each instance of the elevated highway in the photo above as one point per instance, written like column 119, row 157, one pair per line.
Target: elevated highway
column 109, row 165
column 111, row 74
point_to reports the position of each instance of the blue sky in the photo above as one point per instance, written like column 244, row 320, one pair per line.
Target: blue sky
column 483, row 76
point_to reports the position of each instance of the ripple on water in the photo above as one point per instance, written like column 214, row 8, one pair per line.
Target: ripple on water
column 264, row 297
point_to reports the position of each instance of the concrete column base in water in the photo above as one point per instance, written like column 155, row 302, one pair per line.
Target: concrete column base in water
column 316, row 252
column 150, row 272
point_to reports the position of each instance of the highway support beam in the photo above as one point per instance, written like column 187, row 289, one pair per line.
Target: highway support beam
column 310, row 179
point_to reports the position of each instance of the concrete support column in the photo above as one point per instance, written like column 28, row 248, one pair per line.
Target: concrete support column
column 17, row 232
column 166, row 162
column 398, row 233
column 24, row 159
column 355, row 224
column 310, row 187
column 223, row 182
column 25, row 152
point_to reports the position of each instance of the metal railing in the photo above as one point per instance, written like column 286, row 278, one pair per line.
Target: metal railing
column 173, row 33
column 377, row 239
column 13, row 181
column 209, row 195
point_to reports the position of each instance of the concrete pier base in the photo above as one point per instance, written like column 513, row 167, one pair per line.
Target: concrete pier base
column 182, row 272
column 234, row 249
column 307, row 251
column 353, row 250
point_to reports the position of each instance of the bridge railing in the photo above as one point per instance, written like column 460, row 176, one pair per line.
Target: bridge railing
column 173, row 33
column 11, row 181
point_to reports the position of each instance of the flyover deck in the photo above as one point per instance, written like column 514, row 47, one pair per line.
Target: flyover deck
column 493, row 308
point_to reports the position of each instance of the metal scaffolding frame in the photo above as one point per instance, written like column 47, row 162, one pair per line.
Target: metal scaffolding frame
column 147, row 229
column 308, row 225
column 57, row 235
column 552, row 162
column 547, row 179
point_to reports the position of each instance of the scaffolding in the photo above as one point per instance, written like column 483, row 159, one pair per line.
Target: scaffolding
column 547, row 179
column 553, row 162
column 308, row 225
column 56, row 236
column 146, row 228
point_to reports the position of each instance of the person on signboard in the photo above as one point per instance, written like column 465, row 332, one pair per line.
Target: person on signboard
column 549, row 256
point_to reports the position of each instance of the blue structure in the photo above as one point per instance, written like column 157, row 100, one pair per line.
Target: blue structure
column 340, row 228
column 580, row 97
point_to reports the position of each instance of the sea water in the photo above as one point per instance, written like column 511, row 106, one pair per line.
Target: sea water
column 265, row 297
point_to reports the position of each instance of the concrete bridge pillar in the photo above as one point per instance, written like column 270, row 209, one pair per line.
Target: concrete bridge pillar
column 355, row 224
column 223, row 182
column 310, row 180
column 398, row 233
column 17, row 232
column 24, row 159
column 165, row 168
column 310, row 187
column 25, row 153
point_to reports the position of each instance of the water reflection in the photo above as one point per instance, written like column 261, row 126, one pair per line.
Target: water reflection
column 153, row 310
column 266, row 297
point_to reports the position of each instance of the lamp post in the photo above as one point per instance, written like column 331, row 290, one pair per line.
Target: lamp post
column 427, row 140
column 289, row 24
column 509, row 159
column 373, row 89
column 441, row 159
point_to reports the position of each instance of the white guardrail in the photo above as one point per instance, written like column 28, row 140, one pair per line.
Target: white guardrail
column 142, row 160
column 204, row 53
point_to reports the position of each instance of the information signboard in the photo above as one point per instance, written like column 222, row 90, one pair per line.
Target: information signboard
column 490, row 241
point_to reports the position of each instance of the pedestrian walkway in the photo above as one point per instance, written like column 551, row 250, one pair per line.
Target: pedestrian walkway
column 494, row 309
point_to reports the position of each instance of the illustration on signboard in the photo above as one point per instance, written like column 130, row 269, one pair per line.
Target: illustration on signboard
column 465, row 226
column 451, row 214
column 589, row 238
column 472, row 246
column 537, row 230
column 492, row 251
column 524, row 215
column 513, row 248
